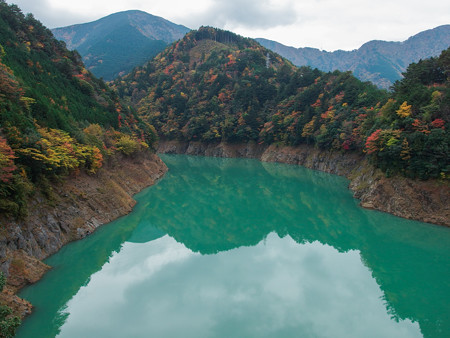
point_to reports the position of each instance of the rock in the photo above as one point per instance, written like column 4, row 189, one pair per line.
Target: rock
column 426, row 201
column 80, row 205
column 19, row 306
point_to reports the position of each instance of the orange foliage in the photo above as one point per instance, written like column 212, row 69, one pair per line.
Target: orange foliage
column 418, row 125
column 7, row 157
column 316, row 104
column 372, row 142
column 438, row 123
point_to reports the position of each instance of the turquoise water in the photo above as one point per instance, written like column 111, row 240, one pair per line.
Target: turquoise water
column 240, row 248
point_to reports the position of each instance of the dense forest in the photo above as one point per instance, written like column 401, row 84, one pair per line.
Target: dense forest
column 214, row 86
column 56, row 117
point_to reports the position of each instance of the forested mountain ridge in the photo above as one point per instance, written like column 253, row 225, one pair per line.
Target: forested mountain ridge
column 214, row 86
column 381, row 62
column 114, row 44
column 203, row 71
column 56, row 117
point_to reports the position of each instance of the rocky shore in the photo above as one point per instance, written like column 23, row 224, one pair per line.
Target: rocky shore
column 426, row 201
column 82, row 202
column 75, row 208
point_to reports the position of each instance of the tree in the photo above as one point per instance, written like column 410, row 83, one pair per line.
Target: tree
column 7, row 157
column 8, row 323
column 404, row 110
column 372, row 142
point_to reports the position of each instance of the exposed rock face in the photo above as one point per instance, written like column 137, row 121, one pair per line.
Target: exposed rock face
column 426, row 201
column 76, row 208
column 82, row 203
column 213, row 150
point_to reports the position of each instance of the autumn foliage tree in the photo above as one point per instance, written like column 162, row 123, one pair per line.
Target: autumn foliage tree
column 59, row 153
column 7, row 166
column 56, row 118
column 215, row 86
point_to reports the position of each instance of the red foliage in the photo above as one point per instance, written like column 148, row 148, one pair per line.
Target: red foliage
column 372, row 140
column 339, row 97
column 420, row 126
column 316, row 104
column 9, row 87
column 346, row 144
column 438, row 123
column 223, row 97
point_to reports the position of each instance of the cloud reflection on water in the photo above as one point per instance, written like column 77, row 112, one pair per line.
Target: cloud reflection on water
column 276, row 288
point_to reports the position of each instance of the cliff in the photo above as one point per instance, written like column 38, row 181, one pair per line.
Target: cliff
column 73, row 209
column 426, row 201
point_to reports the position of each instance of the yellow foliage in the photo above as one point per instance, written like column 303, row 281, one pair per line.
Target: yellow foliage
column 127, row 145
column 436, row 96
column 57, row 151
column 94, row 130
column 404, row 154
column 308, row 128
column 27, row 102
column 404, row 110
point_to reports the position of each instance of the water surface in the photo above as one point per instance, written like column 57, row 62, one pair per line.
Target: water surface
column 240, row 248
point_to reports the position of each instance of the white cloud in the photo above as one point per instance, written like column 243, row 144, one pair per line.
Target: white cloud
column 247, row 14
column 279, row 287
column 324, row 24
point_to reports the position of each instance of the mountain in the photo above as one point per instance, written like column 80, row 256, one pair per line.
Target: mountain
column 56, row 117
column 115, row 44
column 380, row 62
column 215, row 86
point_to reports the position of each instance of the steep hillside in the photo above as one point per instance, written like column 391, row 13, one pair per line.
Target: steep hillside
column 215, row 86
column 201, row 86
column 71, row 155
column 113, row 45
column 56, row 117
column 380, row 62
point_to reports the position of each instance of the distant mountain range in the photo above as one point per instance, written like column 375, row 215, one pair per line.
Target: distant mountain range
column 381, row 62
column 115, row 44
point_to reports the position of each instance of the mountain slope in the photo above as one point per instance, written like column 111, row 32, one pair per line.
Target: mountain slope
column 115, row 44
column 214, row 86
column 380, row 62
column 56, row 117
column 71, row 155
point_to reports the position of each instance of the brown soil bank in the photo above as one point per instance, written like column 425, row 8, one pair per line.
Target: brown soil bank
column 75, row 209
column 426, row 201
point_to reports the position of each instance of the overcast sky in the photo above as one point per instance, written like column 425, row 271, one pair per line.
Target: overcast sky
column 323, row 24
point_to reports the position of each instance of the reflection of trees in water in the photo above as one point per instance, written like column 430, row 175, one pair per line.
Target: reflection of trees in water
column 211, row 205
column 226, row 203
column 216, row 204
column 72, row 267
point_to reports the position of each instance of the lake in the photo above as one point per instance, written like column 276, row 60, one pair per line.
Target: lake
column 241, row 248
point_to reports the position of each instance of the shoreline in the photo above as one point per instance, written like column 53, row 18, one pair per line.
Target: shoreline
column 425, row 201
column 77, row 207
column 83, row 202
